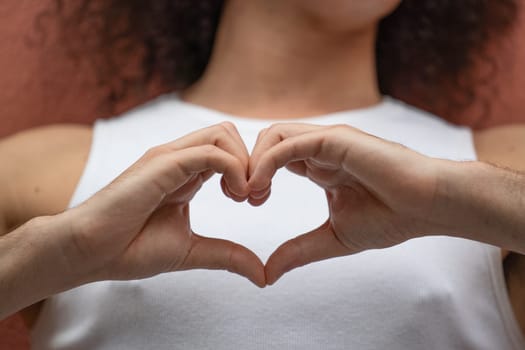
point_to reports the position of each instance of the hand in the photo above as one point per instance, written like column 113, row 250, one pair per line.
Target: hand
column 138, row 226
column 379, row 193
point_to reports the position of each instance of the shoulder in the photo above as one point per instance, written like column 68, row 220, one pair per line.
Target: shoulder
column 50, row 137
column 40, row 170
column 503, row 146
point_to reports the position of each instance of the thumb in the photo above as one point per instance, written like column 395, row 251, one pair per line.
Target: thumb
column 319, row 244
column 220, row 254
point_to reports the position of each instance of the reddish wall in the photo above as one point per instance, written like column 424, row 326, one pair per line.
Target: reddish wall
column 39, row 86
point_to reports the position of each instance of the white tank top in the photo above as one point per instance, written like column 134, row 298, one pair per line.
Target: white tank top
column 429, row 293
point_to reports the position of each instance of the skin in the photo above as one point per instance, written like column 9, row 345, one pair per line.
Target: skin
column 278, row 77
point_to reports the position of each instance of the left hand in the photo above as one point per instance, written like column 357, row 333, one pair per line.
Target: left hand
column 379, row 193
column 139, row 225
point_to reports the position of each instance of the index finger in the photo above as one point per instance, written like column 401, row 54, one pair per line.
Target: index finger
column 275, row 134
column 154, row 177
column 311, row 145
column 223, row 135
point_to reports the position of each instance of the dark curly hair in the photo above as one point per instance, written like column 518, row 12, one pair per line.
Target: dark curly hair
column 432, row 43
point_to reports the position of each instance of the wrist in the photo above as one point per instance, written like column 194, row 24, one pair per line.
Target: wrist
column 481, row 202
column 32, row 266
column 453, row 199
column 84, row 266
column 49, row 238
column 56, row 244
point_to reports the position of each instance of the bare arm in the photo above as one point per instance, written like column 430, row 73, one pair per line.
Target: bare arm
column 32, row 264
column 503, row 147
column 483, row 202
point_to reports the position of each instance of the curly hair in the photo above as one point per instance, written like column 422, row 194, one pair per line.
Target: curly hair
column 432, row 42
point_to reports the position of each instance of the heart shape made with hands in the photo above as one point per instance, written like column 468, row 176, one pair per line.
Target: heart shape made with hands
column 146, row 208
column 361, row 214
column 318, row 244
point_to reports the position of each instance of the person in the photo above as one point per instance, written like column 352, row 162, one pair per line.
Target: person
column 445, row 186
column 281, row 60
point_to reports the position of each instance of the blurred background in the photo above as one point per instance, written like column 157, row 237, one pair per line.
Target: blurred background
column 41, row 84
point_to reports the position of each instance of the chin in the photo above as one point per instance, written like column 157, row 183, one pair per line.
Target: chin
column 347, row 15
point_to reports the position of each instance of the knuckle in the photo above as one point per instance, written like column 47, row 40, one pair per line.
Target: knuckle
column 337, row 133
column 155, row 152
column 281, row 130
column 262, row 132
column 222, row 132
column 341, row 127
column 228, row 126
column 209, row 150
column 275, row 128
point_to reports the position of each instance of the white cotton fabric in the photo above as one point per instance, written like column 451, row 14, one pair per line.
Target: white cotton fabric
column 429, row 293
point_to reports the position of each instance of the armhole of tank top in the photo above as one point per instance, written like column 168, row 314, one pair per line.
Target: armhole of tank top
column 501, row 295
column 467, row 144
column 78, row 195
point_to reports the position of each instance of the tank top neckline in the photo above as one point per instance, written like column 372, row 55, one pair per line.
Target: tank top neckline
column 381, row 108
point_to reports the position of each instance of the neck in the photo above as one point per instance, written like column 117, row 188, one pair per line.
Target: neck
column 276, row 64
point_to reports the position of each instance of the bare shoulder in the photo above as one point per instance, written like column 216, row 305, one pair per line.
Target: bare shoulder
column 40, row 170
column 502, row 145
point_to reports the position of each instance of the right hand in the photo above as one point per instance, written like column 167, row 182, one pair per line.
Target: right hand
column 138, row 226
column 379, row 193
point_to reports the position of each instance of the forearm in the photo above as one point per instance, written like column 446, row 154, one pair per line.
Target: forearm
column 482, row 202
column 33, row 264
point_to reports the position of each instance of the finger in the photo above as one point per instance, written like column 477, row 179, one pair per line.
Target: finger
column 316, row 245
column 267, row 138
column 298, row 168
column 229, row 194
column 329, row 147
column 168, row 172
column 322, row 177
column 293, row 149
column 207, row 175
column 224, row 136
column 219, row 254
column 275, row 134
column 261, row 198
column 241, row 151
column 327, row 178
column 257, row 198
column 254, row 155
